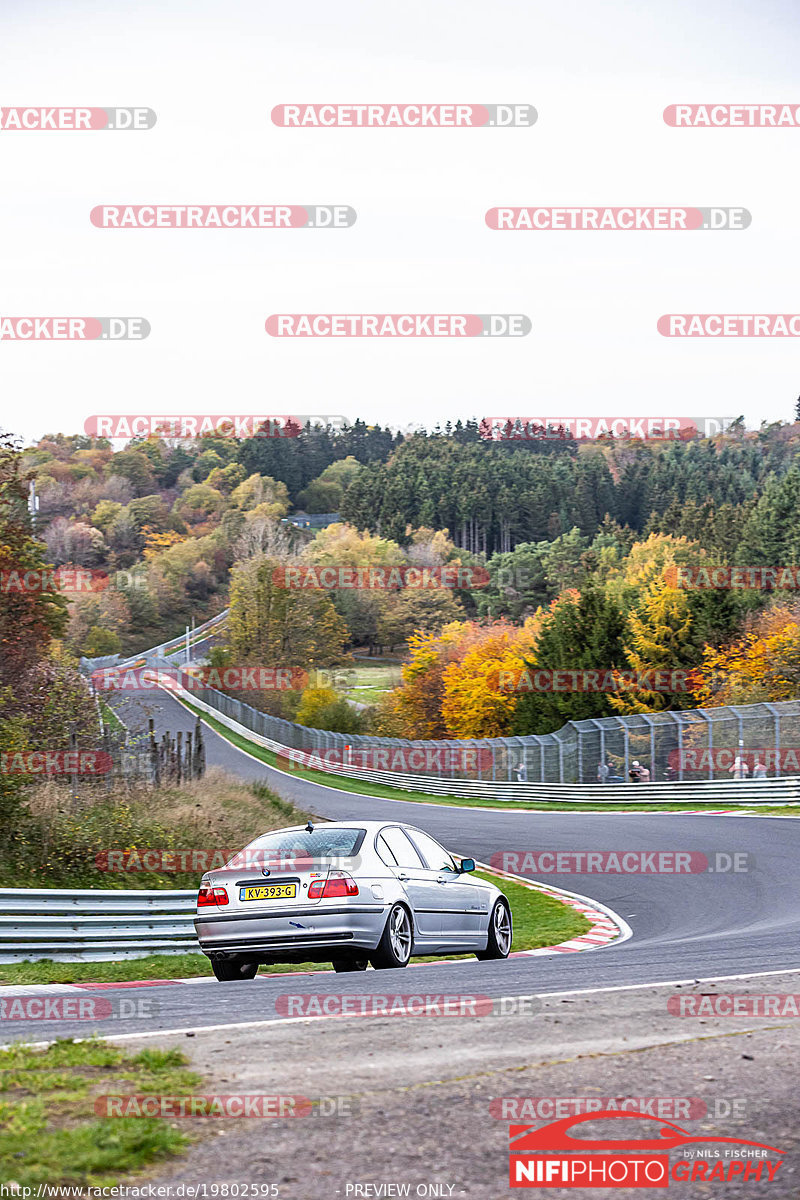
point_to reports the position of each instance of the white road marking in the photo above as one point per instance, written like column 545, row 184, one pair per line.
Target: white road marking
column 195, row 1029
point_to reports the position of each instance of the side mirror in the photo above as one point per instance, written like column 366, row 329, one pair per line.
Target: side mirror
column 467, row 864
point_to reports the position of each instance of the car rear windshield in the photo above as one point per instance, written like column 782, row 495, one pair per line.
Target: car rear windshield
column 322, row 843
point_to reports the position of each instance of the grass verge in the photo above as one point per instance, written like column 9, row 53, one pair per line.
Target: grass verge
column 539, row 920
column 49, row 1131
column 50, row 845
column 383, row 792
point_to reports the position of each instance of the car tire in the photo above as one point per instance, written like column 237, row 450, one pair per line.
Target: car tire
column 394, row 948
column 350, row 964
column 500, row 933
column 227, row 970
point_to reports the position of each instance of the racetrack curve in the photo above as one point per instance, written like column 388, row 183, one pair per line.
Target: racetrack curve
column 685, row 927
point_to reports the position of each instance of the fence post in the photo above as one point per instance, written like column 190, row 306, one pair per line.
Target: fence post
column 73, row 778
column 155, row 765
column 107, row 750
column 200, row 750
column 189, row 762
column 179, row 755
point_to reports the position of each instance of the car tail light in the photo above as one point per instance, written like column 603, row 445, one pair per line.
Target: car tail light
column 211, row 896
column 338, row 883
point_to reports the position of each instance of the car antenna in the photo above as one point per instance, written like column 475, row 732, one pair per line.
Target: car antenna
column 310, row 827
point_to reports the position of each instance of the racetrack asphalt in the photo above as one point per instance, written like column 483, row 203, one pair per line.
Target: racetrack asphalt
column 597, row 1024
column 685, row 926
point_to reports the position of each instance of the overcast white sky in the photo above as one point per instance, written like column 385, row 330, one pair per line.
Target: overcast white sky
column 599, row 74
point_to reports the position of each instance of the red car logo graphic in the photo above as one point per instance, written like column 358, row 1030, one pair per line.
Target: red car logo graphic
column 525, row 1139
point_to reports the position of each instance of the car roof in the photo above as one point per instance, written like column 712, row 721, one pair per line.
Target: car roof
column 370, row 826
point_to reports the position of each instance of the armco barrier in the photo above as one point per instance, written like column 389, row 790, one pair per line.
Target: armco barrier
column 89, row 925
column 754, row 792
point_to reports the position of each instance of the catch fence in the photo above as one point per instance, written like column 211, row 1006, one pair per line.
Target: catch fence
column 692, row 745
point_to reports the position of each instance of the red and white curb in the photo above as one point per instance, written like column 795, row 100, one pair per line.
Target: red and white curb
column 607, row 926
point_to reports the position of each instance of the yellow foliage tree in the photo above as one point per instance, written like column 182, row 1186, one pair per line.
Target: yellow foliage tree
column 473, row 704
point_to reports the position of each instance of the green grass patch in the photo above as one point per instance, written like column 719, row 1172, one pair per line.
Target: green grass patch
column 539, row 920
column 49, row 1131
column 110, row 718
column 372, row 681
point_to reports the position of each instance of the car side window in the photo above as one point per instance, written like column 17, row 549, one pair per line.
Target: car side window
column 384, row 853
column 435, row 855
column 401, row 847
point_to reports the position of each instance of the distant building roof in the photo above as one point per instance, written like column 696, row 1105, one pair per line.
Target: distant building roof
column 304, row 520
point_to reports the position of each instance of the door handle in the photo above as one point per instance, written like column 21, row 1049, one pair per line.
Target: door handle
column 402, row 878
column 442, row 879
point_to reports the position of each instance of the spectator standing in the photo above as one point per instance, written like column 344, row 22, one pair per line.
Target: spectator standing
column 740, row 769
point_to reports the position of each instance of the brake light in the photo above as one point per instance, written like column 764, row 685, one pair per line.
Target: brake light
column 211, row 896
column 338, row 883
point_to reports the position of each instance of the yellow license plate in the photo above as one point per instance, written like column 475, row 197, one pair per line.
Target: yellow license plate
column 269, row 891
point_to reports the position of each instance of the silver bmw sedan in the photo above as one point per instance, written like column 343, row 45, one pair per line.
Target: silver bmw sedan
column 350, row 893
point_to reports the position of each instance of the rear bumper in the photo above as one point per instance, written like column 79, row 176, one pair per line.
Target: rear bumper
column 350, row 927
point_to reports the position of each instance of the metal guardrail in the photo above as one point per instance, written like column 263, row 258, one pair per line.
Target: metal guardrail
column 93, row 925
column 752, row 792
